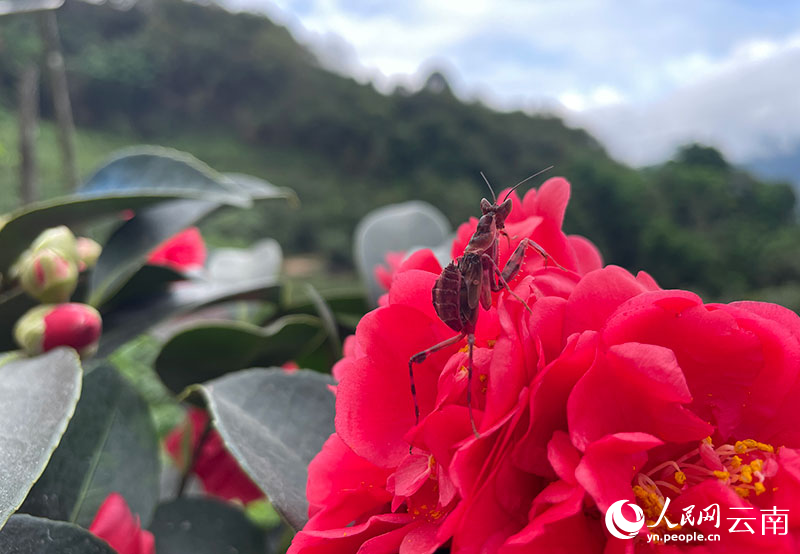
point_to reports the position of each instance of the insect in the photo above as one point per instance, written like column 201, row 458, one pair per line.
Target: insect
column 468, row 281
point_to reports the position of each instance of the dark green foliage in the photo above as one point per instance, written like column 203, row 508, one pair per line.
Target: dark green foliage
column 168, row 70
column 274, row 423
column 110, row 446
column 204, row 526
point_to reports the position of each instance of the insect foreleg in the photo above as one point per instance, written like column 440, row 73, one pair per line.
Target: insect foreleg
column 514, row 262
column 502, row 283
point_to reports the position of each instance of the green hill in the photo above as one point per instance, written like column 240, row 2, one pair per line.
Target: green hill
column 240, row 93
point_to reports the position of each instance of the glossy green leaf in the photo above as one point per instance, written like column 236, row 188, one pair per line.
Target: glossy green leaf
column 128, row 248
column 328, row 320
column 139, row 169
column 37, row 399
column 209, row 350
column 19, row 228
column 122, row 325
column 347, row 306
column 274, row 423
column 26, row 534
column 110, row 446
column 259, row 189
column 204, row 526
column 149, row 280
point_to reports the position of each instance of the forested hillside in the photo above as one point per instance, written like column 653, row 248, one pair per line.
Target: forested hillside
column 241, row 94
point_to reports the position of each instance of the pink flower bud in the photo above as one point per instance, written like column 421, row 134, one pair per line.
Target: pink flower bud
column 59, row 239
column 88, row 252
column 46, row 327
column 48, row 276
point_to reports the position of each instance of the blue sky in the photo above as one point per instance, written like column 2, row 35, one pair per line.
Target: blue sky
column 643, row 76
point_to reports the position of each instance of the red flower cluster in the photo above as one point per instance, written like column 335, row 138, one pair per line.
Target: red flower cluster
column 217, row 470
column 611, row 389
column 115, row 524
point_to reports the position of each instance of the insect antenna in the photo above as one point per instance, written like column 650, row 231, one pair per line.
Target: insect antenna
column 494, row 198
column 525, row 180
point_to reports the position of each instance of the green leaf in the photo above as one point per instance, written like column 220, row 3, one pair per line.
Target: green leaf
column 37, row 399
column 26, row 534
column 19, row 228
column 150, row 279
column 128, row 248
column 139, row 169
column 328, row 320
column 110, row 446
column 274, row 423
column 395, row 228
column 122, row 325
column 212, row 349
column 347, row 305
column 204, row 526
column 259, row 189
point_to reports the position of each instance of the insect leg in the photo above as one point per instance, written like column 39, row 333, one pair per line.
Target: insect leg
column 418, row 358
column 471, row 345
column 504, row 284
column 515, row 261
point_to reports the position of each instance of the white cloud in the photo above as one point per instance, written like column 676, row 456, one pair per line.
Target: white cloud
column 747, row 105
column 643, row 76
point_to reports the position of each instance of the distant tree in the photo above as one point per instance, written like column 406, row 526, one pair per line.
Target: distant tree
column 697, row 154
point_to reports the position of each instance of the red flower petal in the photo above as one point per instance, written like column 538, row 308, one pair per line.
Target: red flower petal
column 217, row 470
column 115, row 524
column 184, row 251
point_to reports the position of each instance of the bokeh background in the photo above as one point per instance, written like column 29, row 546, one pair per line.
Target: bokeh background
column 677, row 123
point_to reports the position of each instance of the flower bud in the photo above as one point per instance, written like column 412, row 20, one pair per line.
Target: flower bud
column 48, row 326
column 48, row 276
column 59, row 239
column 88, row 252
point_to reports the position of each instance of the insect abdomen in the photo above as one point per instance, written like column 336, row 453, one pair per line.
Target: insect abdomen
column 446, row 294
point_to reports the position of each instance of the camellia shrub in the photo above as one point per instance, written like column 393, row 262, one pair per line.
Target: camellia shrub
column 114, row 352
column 162, row 396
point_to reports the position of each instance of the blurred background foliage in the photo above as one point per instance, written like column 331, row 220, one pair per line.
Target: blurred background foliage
column 241, row 94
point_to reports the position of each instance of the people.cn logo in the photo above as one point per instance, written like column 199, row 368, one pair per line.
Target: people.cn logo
column 618, row 525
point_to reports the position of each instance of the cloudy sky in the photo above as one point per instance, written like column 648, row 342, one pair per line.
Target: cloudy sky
column 643, row 76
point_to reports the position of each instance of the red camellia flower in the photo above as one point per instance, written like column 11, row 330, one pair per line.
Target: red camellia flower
column 609, row 389
column 182, row 252
column 115, row 524
column 217, row 470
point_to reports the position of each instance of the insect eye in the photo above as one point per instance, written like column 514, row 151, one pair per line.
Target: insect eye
column 486, row 206
column 505, row 208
